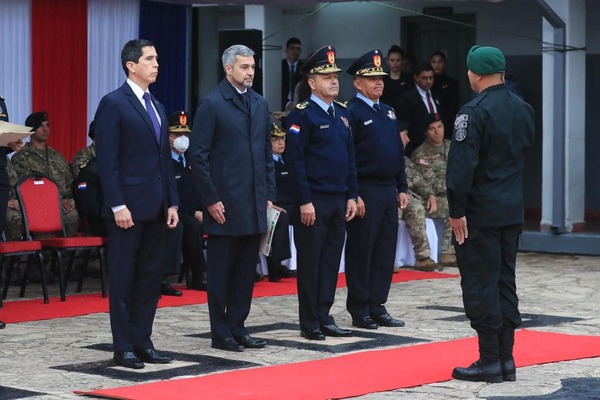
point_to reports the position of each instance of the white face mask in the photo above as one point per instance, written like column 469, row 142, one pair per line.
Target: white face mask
column 181, row 143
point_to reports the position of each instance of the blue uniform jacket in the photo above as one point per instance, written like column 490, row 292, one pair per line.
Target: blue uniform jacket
column 320, row 152
column 379, row 149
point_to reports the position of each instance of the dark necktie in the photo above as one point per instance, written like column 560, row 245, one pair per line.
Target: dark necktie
column 376, row 107
column 429, row 103
column 181, row 161
column 152, row 115
column 331, row 112
column 280, row 159
column 291, row 83
column 246, row 98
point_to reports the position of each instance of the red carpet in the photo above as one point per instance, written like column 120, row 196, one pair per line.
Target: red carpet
column 357, row 374
column 34, row 310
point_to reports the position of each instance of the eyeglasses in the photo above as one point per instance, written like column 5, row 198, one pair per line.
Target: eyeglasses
column 278, row 139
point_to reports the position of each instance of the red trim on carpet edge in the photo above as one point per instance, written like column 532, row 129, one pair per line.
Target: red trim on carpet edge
column 83, row 304
column 359, row 373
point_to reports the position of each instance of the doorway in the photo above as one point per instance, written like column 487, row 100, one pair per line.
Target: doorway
column 423, row 35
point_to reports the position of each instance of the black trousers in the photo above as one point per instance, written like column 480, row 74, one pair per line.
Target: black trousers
column 231, row 269
column 370, row 251
column 280, row 246
column 185, row 240
column 135, row 257
column 487, row 262
column 319, row 250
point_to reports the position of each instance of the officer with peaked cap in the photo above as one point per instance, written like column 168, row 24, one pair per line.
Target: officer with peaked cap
column 320, row 154
column 382, row 187
column 186, row 240
column 484, row 185
column 280, row 246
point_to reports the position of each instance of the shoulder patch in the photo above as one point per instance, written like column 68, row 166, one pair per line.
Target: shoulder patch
column 339, row 103
column 461, row 124
column 303, row 105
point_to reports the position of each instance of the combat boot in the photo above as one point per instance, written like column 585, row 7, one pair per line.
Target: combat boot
column 448, row 260
column 488, row 368
column 507, row 341
column 427, row 264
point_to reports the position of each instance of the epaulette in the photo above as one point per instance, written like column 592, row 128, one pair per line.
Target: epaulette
column 339, row 103
column 303, row 105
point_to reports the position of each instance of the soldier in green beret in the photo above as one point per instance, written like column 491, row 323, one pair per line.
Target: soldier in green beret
column 485, row 197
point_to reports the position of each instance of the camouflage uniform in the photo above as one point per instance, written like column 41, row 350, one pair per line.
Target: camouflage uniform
column 414, row 216
column 50, row 163
column 81, row 158
column 429, row 164
column 14, row 220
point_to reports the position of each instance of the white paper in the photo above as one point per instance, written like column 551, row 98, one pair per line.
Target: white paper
column 267, row 238
column 13, row 133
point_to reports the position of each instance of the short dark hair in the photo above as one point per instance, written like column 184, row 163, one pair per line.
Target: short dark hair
column 395, row 49
column 132, row 51
column 422, row 67
column 438, row 53
column 292, row 40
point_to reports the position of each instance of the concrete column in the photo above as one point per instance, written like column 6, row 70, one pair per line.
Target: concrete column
column 572, row 12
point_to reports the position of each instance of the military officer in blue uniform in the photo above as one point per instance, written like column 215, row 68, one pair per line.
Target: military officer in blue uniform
column 186, row 240
column 320, row 153
column 382, row 187
column 485, row 196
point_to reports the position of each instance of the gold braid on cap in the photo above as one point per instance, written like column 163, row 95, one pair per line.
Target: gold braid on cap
column 179, row 128
column 366, row 70
column 321, row 68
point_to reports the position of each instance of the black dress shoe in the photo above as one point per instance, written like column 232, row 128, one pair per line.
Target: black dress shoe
column 152, row 357
column 198, row 285
column 312, row 334
column 334, row 330
column 127, row 359
column 227, row 344
column 2, row 325
column 480, row 371
column 167, row 290
column 365, row 323
column 286, row 272
column 387, row 320
column 259, row 277
column 249, row 342
column 509, row 371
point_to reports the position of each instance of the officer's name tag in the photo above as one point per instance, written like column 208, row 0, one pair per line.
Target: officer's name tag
column 368, row 122
column 284, row 173
column 324, row 127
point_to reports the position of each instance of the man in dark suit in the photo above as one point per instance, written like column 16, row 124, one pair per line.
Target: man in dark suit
column 140, row 202
column 186, row 242
column 230, row 151
column 290, row 70
column 4, row 186
column 415, row 107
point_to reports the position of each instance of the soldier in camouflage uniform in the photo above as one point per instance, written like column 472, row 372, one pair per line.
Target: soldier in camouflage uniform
column 37, row 157
column 85, row 155
column 414, row 217
column 429, row 163
column 13, row 228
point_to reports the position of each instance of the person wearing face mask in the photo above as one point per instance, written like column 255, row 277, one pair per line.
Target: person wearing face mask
column 186, row 240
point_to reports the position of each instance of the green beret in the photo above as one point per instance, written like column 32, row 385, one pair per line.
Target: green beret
column 485, row 60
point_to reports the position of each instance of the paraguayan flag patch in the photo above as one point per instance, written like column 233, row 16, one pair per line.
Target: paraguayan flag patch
column 295, row 129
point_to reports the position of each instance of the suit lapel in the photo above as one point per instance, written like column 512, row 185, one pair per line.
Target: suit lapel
column 135, row 102
column 229, row 93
